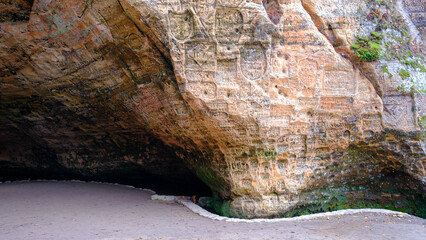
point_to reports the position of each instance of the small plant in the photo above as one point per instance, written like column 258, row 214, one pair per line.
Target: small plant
column 377, row 35
column 386, row 70
column 405, row 33
column 399, row 39
column 368, row 55
column 368, row 48
column 404, row 74
column 401, row 88
column 414, row 64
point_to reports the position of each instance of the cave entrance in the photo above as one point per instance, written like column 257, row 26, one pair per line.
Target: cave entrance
column 141, row 161
column 183, row 185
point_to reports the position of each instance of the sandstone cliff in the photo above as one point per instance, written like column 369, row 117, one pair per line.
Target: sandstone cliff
column 268, row 102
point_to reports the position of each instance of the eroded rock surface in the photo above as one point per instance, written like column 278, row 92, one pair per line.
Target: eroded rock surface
column 262, row 100
column 73, row 81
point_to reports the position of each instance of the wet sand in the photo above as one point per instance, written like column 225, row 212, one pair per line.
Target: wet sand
column 76, row 210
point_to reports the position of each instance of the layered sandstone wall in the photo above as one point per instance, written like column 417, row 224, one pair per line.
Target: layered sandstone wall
column 71, row 77
column 262, row 100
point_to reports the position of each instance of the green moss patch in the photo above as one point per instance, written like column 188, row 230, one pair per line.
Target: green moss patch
column 386, row 70
column 404, row 74
column 218, row 206
column 368, row 48
column 359, row 197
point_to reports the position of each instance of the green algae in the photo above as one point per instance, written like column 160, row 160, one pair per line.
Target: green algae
column 219, row 206
column 334, row 199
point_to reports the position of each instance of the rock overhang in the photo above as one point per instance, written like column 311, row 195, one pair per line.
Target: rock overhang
column 264, row 110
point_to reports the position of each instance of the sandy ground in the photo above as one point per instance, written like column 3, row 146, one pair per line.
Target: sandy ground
column 75, row 210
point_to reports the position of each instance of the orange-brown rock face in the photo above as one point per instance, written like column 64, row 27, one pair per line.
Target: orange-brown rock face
column 252, row 96
column 78, row 83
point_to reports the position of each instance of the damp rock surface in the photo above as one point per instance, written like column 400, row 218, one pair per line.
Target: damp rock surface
column 263, row 101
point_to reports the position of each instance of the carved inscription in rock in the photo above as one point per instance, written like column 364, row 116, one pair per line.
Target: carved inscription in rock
column 199, row 76
column 307, row 103
column 280, row 121
column 307, row 38
column 336, row 103
column 398, row 112
column 204, row 8
column 228, row 25
column 293, row 21
column 200, row 56
column 202, row 90
column 421, row 104
column 218, row 110
column 293, row 144
column 253, row 61
column 135, row 41
column 227, row 72
column 245, row 91
column 227, row 93
column 339, row 83
column 176, row 5
column 279, row 65
column 181, row 24
column 308, row 73
column 231, row 3
column 371, row 122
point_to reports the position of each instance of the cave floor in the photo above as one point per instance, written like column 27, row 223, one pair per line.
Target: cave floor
column 77, row 210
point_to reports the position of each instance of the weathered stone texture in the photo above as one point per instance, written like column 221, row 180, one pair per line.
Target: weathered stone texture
column 73, row 79
column 417, row 11
column 253, row 96
column 15, row 10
